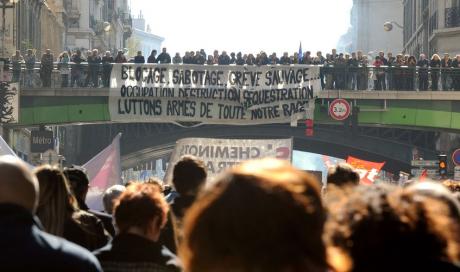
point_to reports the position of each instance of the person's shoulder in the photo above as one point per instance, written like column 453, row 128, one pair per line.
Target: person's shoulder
column 68, row 253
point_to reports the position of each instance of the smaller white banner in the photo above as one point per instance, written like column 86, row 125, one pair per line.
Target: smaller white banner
column 220, row 154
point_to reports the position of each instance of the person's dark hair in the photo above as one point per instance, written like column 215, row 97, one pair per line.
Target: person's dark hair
column 79, row 183
column 342, row 174
column 189, row 174
column 260, row 216
column 138, row 206
column 379, row 229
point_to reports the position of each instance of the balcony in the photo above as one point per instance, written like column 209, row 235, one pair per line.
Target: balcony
column 452, row 16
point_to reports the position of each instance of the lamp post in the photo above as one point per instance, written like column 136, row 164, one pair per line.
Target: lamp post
column 5, row 5
column 388, row 26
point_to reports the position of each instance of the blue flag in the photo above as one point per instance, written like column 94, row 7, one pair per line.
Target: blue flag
column 300, row 53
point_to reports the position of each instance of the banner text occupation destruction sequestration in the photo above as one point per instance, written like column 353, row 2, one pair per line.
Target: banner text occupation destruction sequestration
column 210, row 94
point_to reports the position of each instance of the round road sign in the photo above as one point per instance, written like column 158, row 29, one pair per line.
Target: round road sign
column 456, row 157
column 339, row 109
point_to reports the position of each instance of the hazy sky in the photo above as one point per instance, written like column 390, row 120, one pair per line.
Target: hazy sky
column 246, row 25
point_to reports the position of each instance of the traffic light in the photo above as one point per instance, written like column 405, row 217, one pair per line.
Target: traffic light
column 442, row 165
column 309, row 124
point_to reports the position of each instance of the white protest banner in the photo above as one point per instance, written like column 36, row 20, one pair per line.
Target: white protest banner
column 9, row 102
column 238, row 95
column 219, row 154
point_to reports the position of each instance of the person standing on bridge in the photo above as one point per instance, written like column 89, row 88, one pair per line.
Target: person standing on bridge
column 77, row 69
column 139, row 59
column 446, row 64
column 46, row 68
column 164, row 57
column 120, row 58
column 423, row 64
column 63, row 67
column 152, row 58
column 456, row 73
column 107, row 61
column 94, row 62
column 17, row 60
column 30, row 66
column 435, row 65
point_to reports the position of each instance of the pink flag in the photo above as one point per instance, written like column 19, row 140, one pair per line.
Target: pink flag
column 104, row 170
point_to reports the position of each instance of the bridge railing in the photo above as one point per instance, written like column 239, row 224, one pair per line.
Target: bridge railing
column 396, row 78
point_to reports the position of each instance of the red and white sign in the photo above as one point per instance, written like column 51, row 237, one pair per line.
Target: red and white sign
column 339, row 109
column 367, row 170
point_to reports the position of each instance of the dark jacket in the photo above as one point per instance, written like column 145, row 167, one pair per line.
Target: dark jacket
column 224, row 60
column 25, row 247
column 129, row 252
column 86, row 230
column 423, row 65
column 104, row 217
column 152, row 59
column 164, row 58
column 139, row 59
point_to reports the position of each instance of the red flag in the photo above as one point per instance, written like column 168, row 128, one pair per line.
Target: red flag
column 104, row 170
column 423, row 175
column 367, row 170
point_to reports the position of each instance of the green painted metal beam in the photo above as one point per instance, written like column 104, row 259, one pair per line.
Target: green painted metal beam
column 36, row 110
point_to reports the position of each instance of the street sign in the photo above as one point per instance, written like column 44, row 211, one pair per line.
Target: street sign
column 41, row 141
column 456, row 157
column 339, row 109
column 429, row 172
column 423, row 163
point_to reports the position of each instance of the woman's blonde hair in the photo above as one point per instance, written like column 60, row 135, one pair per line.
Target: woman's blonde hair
column 56, row 202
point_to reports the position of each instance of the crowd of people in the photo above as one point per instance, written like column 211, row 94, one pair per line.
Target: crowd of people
column 261, row 215
column 342, row 71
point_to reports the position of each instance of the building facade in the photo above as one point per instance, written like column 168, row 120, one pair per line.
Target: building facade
column 143, row 39
column 367, row 32
column 101, row 24
column 432, row 26
column 37, row 25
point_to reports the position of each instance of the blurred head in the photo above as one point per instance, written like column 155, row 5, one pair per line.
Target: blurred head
column 422, row 56
column 446, row 55
column 110, row 195
column 108, row 54
column 153, row 53
column 259, row 216
column 342, row 174
column 164, row 49
column 18, row 185
column 79, row 183
column 189, row 175
column 369, row 222
column 139, row 53
column 48, row 51
column 441, row 193
column 95, row 52
column 29, row 51
column 56, row 202
column 142, row 210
